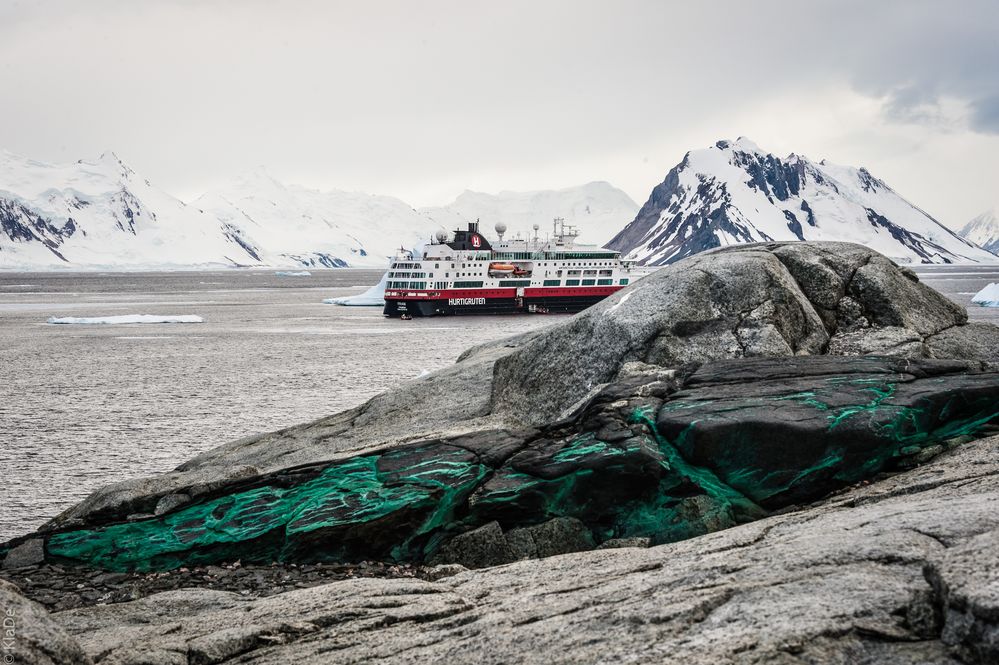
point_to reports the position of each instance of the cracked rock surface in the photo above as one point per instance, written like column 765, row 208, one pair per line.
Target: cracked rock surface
column 901, row 571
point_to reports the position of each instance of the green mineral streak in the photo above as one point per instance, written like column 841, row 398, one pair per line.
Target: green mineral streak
column 701, row 476
column 680, row 405
column 810, row 398
column 348, row 493
column 881, row 393
column 910, row 427
column 585, row 446
column 411, row 510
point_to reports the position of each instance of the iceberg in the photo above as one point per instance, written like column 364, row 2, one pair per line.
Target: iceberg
column 987, row 297
column 293, row 273
column 373, row 297
column 125, row 318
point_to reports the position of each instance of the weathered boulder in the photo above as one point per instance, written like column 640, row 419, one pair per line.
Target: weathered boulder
column 30, row 636
column 489, row 546
column 898, row 572
column 778, row 299
column 31, row 552
column 975, row 340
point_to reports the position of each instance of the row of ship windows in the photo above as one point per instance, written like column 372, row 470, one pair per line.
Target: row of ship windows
column 527, row 256
column 420, row 286
column 558, row 273
column 499, row 257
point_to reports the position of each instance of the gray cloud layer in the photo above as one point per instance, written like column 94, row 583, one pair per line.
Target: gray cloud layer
column 423, row 99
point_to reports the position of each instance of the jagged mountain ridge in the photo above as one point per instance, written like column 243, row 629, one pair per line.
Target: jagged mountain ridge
column 597, row 209
column 102, row 214
column 983, row 230
column 733, row 192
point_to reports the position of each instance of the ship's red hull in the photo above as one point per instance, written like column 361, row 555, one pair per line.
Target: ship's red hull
column 494, row 301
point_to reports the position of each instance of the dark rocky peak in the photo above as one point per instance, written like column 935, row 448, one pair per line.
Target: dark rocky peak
column 869, row 182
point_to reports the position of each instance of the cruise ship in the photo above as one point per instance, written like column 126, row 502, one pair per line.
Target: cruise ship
column 466, row 274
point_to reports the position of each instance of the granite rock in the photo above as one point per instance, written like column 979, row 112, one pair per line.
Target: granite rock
column 30, row 636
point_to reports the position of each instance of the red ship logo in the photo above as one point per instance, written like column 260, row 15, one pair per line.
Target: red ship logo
column 476, row 241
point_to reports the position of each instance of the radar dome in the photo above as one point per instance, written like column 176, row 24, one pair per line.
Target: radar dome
column 536, row 227
column 500, row 228
column 441, row 235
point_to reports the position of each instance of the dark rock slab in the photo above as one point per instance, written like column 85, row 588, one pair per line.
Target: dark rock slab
column 656, row 456
column 808, row 427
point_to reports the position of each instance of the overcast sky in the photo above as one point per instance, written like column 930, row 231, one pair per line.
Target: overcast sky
column 424, row 99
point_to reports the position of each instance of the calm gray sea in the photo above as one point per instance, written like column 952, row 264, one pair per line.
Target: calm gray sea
column 83, row 406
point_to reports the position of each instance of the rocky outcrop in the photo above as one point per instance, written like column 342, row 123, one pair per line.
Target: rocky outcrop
column 897, row 572
column 778, row 299
column 658, row 454
column 637, row 434
column 758, row 300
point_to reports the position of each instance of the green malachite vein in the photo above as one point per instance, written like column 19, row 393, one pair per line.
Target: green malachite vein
column 404, row 503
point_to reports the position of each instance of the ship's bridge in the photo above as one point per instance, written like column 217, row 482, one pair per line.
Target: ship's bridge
column 559, row 246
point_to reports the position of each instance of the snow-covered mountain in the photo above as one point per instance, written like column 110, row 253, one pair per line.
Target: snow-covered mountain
column 734, row 192
column 983, row 231
column 597, row 209
column 315, row 228
column 102, row 214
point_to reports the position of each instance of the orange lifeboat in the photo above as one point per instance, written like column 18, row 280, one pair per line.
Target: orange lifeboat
column 502, row 267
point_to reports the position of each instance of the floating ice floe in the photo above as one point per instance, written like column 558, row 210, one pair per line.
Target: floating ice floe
column 125, row 318
column 373, row 297
column 987, row 297
column 293, row 273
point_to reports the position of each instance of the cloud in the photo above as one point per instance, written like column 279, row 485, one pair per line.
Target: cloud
column 421, row 99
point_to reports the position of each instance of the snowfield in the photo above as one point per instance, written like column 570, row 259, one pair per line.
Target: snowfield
column 125, row 319
column 597, row 209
